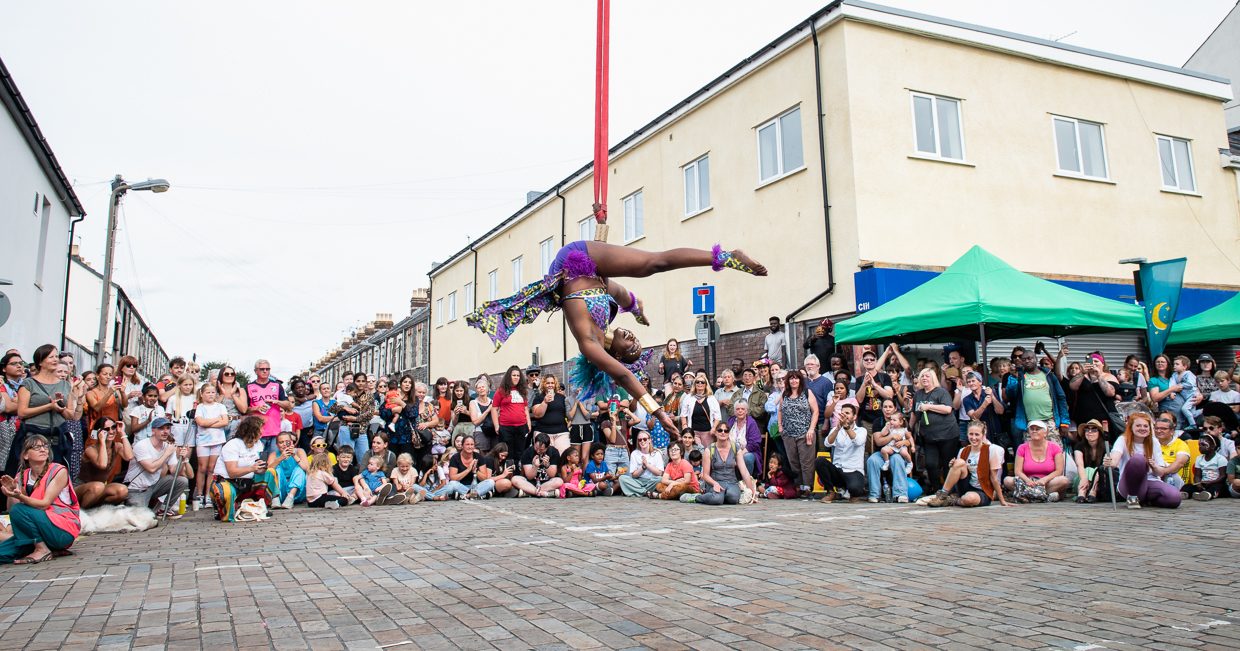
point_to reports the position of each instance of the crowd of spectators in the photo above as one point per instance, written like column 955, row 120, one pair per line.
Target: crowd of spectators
column 1029, row 427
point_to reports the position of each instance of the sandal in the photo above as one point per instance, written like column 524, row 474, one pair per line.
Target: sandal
column 33, row 561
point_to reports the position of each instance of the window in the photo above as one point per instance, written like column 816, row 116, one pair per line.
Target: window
column 697, row 186
column 586, row 229
column 546, row 254
column 438, row 311
column 492, row 284
column 1175, row 160
column 469, row 297
column 451, row 307
column 44, row 213
column 779, row 146
column 937, row 129
column 1080, row 147
column 516, row 274
column 634, row 220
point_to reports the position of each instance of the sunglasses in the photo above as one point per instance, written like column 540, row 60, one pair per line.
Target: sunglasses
column 643, row 439
column 318, row 445
column 228, row 374
column 265, row 368
column 699, row 382
column 130, row 366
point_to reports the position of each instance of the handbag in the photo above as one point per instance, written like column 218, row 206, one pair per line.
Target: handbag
column 251, row 511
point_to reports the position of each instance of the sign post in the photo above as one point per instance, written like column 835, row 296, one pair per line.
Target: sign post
column 707, row 329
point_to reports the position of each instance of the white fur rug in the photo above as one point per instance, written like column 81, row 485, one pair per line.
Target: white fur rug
column 117, row 519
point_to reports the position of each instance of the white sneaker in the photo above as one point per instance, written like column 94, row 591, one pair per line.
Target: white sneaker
column 288, row 501
column 887, row 465
column 872, row 500
column 331, row 505
column 1134, row 502
column 1053, row 497
column 902, row 499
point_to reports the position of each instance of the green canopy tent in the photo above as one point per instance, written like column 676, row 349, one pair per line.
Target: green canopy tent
column 980, row 296
column 1219, row 323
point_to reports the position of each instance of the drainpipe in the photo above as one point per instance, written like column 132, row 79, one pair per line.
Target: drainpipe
column 64, row 310
column 826, row 203
column 475, row 252
column 563, row 241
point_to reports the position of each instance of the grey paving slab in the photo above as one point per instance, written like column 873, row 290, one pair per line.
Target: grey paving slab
column 627, row 573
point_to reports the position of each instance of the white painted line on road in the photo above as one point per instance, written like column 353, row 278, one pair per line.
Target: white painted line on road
column 925, row 511
column 507, row 512
column 713, row 520
column 1201, row 627
column 887, row 509
column 355, row 558
column 225, row 567
column 384, row 646
column 843, row 517
column 749, row 525
column 795, row 514
column 625, row 534
column 1089, row 647
column 592, row 527
column 518, row 543
column 69, row 578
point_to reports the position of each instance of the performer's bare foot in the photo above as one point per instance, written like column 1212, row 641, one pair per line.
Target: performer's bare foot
column 751, row 266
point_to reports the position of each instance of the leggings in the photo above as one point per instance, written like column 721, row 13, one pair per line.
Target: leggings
column 731, row 494
column 938, row 455
column 833, row 479
column 31, row 526
column 322, row 501
column 514, row 436
column 1134, row 480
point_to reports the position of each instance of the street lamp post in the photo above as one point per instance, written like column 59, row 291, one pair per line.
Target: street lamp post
column 119, row 188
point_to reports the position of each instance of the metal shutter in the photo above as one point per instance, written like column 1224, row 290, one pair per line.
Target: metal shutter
column 1114, row 346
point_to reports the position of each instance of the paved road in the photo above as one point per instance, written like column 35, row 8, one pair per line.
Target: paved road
column 626, row 573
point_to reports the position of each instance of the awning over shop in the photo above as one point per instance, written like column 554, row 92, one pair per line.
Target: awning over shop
column 1219, row 323
column 982, row 297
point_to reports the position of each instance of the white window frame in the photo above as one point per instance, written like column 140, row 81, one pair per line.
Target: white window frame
column 1175, row 162
column 637, row 202
column 587, row 228
column 779, row 147
column 1080, row 155
column 691, row 172
column 469, row 297
column 516, row 274
column 934, row 123
column 546, row 254
column 492, row 284
column 438, row 312
column 451, row 307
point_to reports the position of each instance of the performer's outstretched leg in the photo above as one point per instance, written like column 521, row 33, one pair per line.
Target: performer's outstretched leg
column 627, row 262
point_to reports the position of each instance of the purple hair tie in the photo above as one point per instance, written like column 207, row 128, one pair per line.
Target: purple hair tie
column 717, row 258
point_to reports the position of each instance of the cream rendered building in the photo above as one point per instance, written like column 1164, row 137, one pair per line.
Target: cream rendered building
column 936, row 135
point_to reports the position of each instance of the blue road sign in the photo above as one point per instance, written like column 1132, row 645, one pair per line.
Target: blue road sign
column 703, row 300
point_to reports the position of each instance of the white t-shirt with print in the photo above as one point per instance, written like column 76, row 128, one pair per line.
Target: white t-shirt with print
column 138, row 477
column 140, row 413
column 236, row 451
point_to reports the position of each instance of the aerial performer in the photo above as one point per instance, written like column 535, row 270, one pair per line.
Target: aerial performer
column 581, row 281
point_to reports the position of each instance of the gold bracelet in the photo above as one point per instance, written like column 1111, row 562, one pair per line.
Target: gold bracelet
column 648, row 403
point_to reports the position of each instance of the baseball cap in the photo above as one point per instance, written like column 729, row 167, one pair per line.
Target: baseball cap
column 160, row 422
column 1205, row 357
column 1036, row 423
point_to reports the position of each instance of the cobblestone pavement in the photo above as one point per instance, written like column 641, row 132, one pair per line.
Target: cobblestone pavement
column 627, row 573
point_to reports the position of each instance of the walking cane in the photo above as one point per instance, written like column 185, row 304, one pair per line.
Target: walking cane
column 176, row 473
column 1111, row 478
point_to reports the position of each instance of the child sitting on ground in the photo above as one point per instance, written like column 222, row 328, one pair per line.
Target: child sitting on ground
column 901, row 442
column 404, row 482
column 322, row 489
column 371, row 486
column 678, row 477
column 1209, row 472
column 435, row 481
column 778, row 485
column 344, row 470
column 695, row 460
column 600, row 473
column 571, row 473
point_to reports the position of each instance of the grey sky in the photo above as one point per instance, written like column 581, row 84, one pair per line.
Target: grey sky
column 323, row 154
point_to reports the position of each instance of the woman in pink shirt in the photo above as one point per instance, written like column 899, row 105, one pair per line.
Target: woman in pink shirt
column 1039, row 468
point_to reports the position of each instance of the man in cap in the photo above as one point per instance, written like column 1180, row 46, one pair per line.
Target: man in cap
column 150, row 474
column 1037, row 394
column 533, row 378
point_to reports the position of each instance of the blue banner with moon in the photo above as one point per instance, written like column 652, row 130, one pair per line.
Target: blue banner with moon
column 1160, row 287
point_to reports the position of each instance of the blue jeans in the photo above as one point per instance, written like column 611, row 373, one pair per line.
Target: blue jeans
column 1187, row 415
column 269, row 446
column 360, row 444
column 874, row 471
column 457, row 488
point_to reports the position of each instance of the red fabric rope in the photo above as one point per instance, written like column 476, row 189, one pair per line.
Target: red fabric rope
column 600, row 110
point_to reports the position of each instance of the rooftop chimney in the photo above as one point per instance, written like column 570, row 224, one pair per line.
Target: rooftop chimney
column 421, row 298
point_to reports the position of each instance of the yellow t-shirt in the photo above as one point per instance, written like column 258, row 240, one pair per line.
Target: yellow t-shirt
column 1171, row 450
